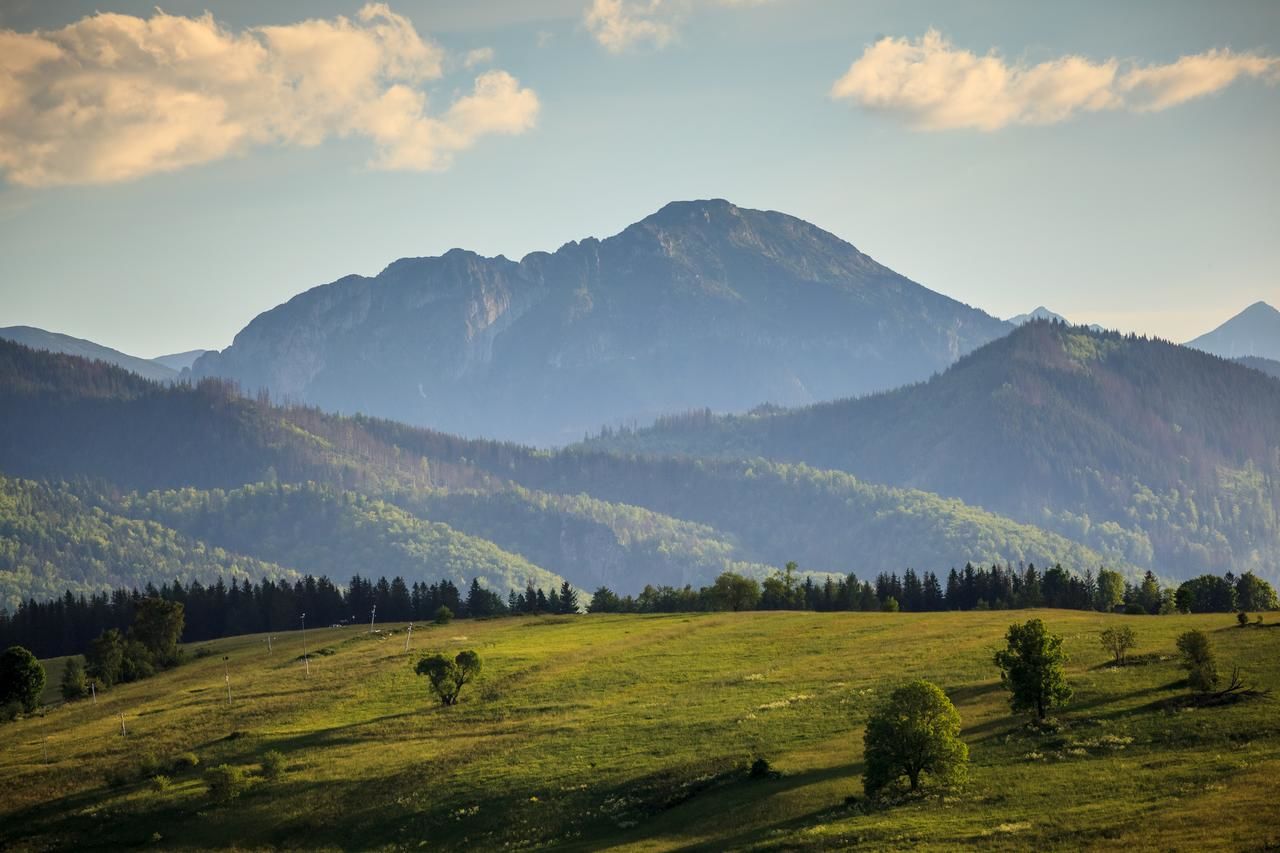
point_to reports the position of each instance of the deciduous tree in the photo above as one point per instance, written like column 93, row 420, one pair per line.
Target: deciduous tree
column 916, row 730
column 1031, row 668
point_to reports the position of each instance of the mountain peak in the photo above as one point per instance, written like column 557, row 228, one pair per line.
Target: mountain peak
column 1255, row 331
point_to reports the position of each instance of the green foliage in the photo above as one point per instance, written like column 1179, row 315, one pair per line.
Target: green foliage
column 734, row 592
column 273, row 764
column 1110, row 590
column 157, row 625
column 74, row 685
column 1199, row 661
column 186, row 761
column 160, row 783
column 604, row 600
column 446, row 676
column 1253, row 593
column 889, row 605
column 21, row 678
column 916, row 730
column 443, row 615
column 1031, row 668
column 105, row 658
column 1118, row 640
column 226, row 782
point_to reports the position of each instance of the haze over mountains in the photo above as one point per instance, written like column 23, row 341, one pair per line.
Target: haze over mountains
column 701, row 304
column 156, row 369
column 1255, row 331
column 1147, row 451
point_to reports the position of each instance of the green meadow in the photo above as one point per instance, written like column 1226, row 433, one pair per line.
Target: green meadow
column 636, row 732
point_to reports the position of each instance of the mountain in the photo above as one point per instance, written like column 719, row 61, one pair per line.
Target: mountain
column 1141, row 449
column 1040, row 313
column 701, row 304
column 1266, row 365
column 180, row 361
column 305, row 492
column 1255, row 331
column 55, row 342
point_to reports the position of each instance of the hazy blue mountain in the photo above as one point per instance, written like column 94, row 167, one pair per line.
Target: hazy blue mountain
column 1271, row 367
column 701, row 304
column 55, row 342
column 1140, row 448
column 179, row 361
column 1254, row 331
column 1040, row 313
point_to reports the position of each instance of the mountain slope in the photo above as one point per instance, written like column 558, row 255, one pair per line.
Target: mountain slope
column 588, row 517
column 1266, row 365
column 1255, row 331
column 1133, row 446
column 702, row 303
column 179, row 361
column 1040, row 313
column 55, row 342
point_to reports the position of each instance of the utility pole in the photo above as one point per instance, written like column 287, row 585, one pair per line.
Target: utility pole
column 372, row 614
column 306, row 661
column 268, row 644
column 123, row 732
column 226, row 676
column 94, row 690
column 408, row 637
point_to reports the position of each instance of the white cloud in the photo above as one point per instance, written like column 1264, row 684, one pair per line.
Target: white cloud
column 619, row 25
column 934, row 86
column 114, row 97
column 479, row 56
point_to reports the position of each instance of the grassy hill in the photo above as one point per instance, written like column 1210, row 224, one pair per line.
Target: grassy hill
column 634, row 733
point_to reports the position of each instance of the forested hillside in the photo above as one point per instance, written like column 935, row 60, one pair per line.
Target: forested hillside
column 1154, row 453
column 312, row 493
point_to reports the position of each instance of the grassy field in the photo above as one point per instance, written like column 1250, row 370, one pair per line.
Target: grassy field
column 634, row 733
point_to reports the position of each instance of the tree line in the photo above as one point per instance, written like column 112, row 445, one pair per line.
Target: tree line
column 68, row 624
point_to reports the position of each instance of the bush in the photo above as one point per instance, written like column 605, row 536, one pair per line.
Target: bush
column 186, row 761
column 226, row 782
column 160, row 782
column 273, row 764
column 889, row 605
column 1242, row 618
column 1134, row 609
column 762, row 769
column 1198, row 660
column 1118, row 641
column 444, row 615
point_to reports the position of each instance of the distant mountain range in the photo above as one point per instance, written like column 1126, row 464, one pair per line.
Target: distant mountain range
column 1255, row 331
column 1040, row 313
column 107, row 479
column 701, row 304
column 180, row 361
column 1144, row 450
column 54, row 342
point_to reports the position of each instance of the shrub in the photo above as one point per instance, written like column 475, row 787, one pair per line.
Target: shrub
column 1242, row 618
column 273, row 764
column 160, row 782
column 1134, row 609
column 186, row 761
column 889, row 605
column 1119, row 641
column 916, row 730
column 226, row 782
column 1198, row 660
column 762, row 769
column 444, row 615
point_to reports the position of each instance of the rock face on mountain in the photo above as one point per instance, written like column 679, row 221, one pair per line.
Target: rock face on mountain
column 1255, row 331
column 54, row 342
column 701, row 304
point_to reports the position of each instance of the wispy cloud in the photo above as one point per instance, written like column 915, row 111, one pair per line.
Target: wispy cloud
column 932, row 85
column 115, row 97
column 622, row 25
column 479, row 56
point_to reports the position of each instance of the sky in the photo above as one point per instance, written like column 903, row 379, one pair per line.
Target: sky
column 166, row 176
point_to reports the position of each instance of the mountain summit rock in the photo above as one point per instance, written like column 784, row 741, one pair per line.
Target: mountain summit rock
column 1255, row 331
column 700, row 304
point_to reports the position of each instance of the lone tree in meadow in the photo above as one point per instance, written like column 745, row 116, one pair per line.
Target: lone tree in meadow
column 916, row 730
column 1119, row 640
column 1031, row 668
column 21, row 679
column 733, row 591
column 1198, row 660
column 448, row 676
column 74, row 684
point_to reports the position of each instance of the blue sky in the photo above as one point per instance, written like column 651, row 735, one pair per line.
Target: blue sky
column 1022, row 154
